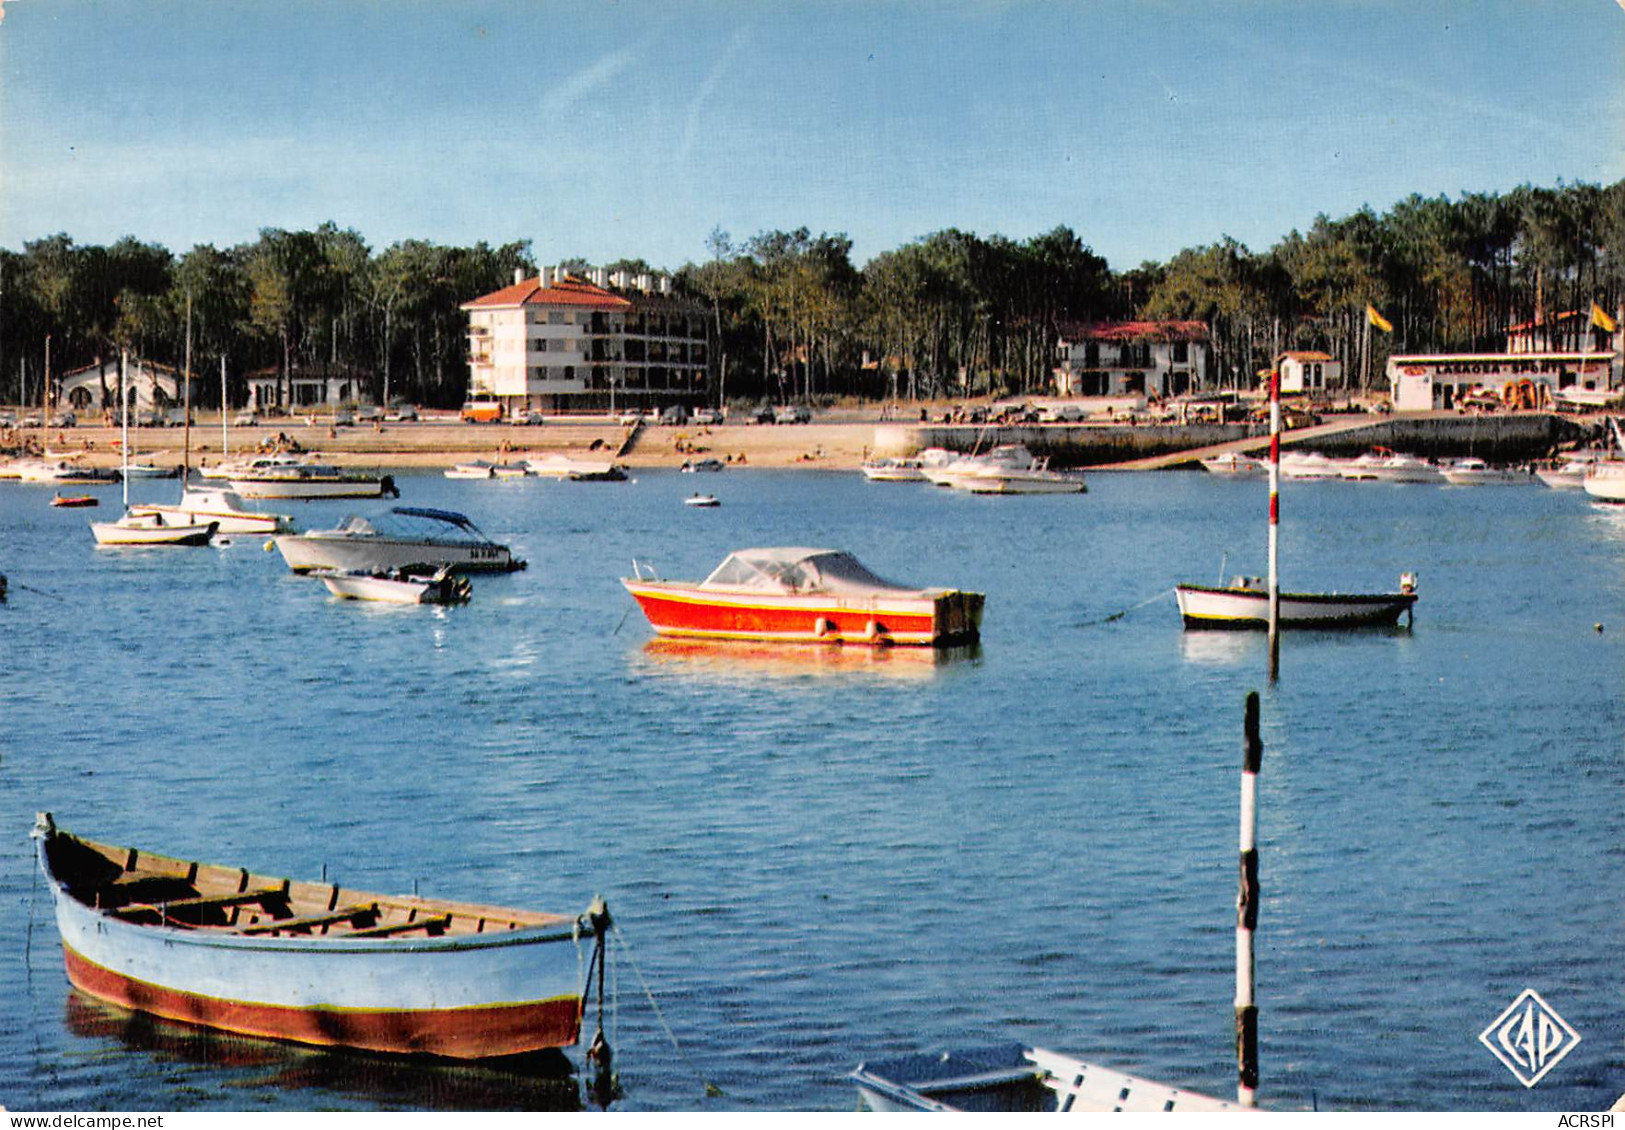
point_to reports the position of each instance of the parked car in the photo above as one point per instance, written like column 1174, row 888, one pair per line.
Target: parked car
column 32, row 420
column 708, row 416
column 371, row 414
column 674, row 414
column 343, row 418
column 176, row 418
column 64, row 420
column 1062, row 414
column 246, row 419
column 8, row 419
column 402, row 413
column 792, row 414
column 529, row 416
column 151, row 418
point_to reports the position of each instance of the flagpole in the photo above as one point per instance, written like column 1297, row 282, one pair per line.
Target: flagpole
column 1275, row 524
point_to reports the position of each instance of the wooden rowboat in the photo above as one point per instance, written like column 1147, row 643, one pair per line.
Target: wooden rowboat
column 1246, row 604
column 311, row 962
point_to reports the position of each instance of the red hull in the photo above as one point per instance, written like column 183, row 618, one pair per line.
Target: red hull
column 813, row 621
column 465, row 1033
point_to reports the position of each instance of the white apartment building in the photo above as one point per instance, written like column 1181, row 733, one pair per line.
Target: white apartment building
column 1132, row 358
column 558, row 341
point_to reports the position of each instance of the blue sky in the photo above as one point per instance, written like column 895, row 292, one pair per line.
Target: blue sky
column 633, row 128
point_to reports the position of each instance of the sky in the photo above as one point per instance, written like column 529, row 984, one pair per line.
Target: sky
column 609, row 129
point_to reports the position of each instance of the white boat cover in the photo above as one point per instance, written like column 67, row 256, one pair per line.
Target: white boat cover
column 795, row 570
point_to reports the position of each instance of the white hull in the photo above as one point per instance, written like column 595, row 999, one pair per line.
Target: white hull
column 580, row 470
column 309, row 487
column 1205, row 607
column 390, row 590
column 1489, row 476
column 1018, row 482
column 894, row 471
column 1606, row 482
column 134, row 529
column 219, row 507
column 324, row 550
column 1310, row 467
column 1234, row 465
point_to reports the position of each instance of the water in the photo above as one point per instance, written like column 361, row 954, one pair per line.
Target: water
column 838, row 855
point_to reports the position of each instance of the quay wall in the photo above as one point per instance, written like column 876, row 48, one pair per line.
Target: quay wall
column 1499, row 439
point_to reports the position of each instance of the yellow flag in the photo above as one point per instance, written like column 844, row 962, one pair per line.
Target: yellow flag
column 1602, row 321
column 1378, row 320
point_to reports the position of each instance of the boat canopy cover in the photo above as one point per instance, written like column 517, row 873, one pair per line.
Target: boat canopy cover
column 791, row 570
column 412, row 523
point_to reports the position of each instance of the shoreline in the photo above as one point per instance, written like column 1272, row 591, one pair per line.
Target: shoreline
column 833, row 445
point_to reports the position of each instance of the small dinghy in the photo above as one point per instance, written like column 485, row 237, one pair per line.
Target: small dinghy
column 397, row 586
column 75, row 500
column 701, row 500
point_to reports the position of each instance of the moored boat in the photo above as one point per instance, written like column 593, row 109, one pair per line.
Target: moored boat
column 65, row 472
column 69, row 500
column 1013, row 1077
column 311, row 962
column 1245, row 604
column 398, row 586
column 1309, row 466
column 805, row 595
column 1568, row 473
column 282, row 476
column 577, row 470
column 1385, row 466
column 1235, row 465
column 1473, row 471
column 1007, row 469
column 221, row 507
column 474, row 469
column 701, row 500
column 151, row 529
column 403, row 536
column 1605, row 481
column 702, row 466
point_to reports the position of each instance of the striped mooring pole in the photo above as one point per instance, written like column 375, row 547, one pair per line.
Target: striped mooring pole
column 1275, row 524
column 1247, row 898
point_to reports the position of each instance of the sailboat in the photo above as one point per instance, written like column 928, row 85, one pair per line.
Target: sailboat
column 135, row 527
column 1247, row 603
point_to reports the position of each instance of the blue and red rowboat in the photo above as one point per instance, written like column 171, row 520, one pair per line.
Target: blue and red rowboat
column 794, row 595
column 311, row 962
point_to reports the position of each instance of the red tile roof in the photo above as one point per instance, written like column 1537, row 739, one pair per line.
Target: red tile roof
column 1135, row 331
column 568, row 291
column 1308, row 355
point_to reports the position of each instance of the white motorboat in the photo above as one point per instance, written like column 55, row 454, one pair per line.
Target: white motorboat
column 287, row 476
column 907, row 469
column 398, row 586
column 1570, row 473
column 475, row 469
column 221, row 507
column 149, row 471
column 1605, row 481
column 1392, row 467
column 151, row 529
column 701, row 500
column 510, row 471
column 1235, row 465
column 63, row 471
column 702, row 466
column 1473, row 471
column 1245, row 604
column 1007, row 469
column 1014, row 1077
column 558, row 466
column 402, row 537
column 1309, row 466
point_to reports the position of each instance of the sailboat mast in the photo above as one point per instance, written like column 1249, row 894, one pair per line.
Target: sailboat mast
column 186, row 434
column 124, row 431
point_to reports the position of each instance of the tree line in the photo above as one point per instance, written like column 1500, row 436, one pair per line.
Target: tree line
column 948, row 314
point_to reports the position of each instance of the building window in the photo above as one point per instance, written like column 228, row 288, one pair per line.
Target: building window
column 555, row 317
column 1182, row 353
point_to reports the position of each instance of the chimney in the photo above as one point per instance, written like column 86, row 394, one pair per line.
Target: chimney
column 546, row 276
column 665, row 284
column 642, row 283
column 518, row 275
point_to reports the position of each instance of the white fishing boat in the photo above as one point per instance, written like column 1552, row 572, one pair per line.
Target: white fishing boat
column 1245, row 604
column 1309, row 466
column 1473, row 471
column 1235, row 465
column 399, row 586
column 402, row 537
column 577, row 470
column 222, row 507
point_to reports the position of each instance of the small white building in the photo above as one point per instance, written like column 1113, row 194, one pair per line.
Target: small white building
column 148, row 387
column 1309, row 371
column 1132, row 358
column 308, row 387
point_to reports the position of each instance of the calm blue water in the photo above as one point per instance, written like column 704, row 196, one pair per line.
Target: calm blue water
column 831, row 856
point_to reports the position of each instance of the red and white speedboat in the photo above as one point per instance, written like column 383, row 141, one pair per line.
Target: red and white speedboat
column 309, row 962
column 805, row 596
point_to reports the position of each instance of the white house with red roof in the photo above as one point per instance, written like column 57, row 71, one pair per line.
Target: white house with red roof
column 1132, row 358
column 1308, row 370
column 559, row 341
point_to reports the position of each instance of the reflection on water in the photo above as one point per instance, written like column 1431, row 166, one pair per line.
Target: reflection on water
column 544, row 1081
column 1222, row 649
column 748, row 658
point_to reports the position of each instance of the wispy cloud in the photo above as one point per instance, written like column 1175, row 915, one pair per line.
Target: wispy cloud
column 560, row 99
column 737, row 42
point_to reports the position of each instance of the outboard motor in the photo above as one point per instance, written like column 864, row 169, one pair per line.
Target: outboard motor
column 387, row 486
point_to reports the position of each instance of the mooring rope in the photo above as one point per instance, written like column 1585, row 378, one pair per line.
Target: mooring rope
column 711, row 1089
column 1126, row 611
